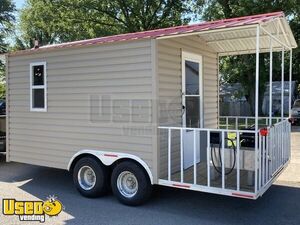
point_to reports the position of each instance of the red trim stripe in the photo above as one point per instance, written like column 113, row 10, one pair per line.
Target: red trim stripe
column 110, row 155
column 243, row 195
column 181, row 185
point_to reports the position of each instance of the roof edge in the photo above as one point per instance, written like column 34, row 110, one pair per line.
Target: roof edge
column 156, row 33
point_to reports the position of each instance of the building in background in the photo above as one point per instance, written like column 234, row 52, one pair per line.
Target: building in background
column 233, row 100
column 276, row 97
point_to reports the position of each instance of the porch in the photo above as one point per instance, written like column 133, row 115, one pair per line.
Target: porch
column 228, row 165
column 237, row 156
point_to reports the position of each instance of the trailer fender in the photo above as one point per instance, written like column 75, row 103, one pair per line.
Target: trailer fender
column 108, row 158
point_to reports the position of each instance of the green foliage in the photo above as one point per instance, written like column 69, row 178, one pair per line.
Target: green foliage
column 2, row 70
column 295, row 25
column 7, row 9
column 7, row 18
column 2, row 81
column 55, row 21
column 52, row 21
column 219, row 9
column 6, row 22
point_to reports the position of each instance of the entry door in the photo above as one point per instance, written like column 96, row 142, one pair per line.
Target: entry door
column 192, row 104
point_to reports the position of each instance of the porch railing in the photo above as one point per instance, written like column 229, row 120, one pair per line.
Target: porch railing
column 240, row 122
column 268, row 159
column 275, row 152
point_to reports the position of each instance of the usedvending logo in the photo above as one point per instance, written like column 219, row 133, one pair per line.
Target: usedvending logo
column 32, row 210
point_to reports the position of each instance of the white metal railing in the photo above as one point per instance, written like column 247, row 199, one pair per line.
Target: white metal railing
column 239, row 122
column 208, row 187
column 270, row 157
column 275, row 151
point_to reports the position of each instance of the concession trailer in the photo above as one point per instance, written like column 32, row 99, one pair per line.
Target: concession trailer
column 133, row 110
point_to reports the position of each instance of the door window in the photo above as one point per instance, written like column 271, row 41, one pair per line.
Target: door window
column 192, row 92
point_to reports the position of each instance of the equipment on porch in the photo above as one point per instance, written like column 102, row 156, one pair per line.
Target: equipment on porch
column 216, row 142
column 248, row 139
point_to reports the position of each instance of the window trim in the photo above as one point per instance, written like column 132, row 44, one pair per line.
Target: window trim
column 33, row 87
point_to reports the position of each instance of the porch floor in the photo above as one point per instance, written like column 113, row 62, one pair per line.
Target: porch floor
column 246, row 177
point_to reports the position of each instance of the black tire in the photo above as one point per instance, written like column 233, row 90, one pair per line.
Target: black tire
column 101, row 173
column 144, row 185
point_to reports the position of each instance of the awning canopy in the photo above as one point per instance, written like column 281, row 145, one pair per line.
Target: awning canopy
column 242, row 40
column 227, row 36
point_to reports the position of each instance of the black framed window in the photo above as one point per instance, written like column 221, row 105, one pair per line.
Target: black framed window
column 38, row 87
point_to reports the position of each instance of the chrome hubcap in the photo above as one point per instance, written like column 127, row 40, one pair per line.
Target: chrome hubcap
column 86, row 178
column 127, row 184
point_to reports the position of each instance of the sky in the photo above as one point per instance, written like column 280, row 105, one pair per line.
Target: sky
column 19, row 3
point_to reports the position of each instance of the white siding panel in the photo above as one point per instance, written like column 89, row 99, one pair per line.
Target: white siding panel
column 169, row 72
column 78, row 80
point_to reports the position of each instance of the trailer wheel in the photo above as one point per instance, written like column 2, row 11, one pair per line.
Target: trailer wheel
column 130, row 183
column 90, row 177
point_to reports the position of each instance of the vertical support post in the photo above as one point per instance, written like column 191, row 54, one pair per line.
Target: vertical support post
column 290, row 82
column 208, row 158
column 281, row 137
column 169, row 154
column 238, row 161
column 259, row 161
column 282, row 106
column 218, row 99
column 181, row 155
column 282, row 142
column 289, row 141
column 282, row 83
column 278, row 146
column 272, row 150
column 285, row 142
column 226, row 122
column 223, row 160
column 195, row 160
column 256, row 104
column 271, row 82
column 263, row 160
column 268, row 140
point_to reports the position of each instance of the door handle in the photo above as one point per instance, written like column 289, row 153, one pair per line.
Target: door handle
column 182, row 110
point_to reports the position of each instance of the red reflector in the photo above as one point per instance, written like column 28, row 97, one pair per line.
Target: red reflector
column 242, row 195
column 110, row 155
column 181, row 185
column 263, row 132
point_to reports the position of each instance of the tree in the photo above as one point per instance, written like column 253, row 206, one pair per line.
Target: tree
column 242, row 68
column 7, row 18
column 295, row 25
column 52, row 21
